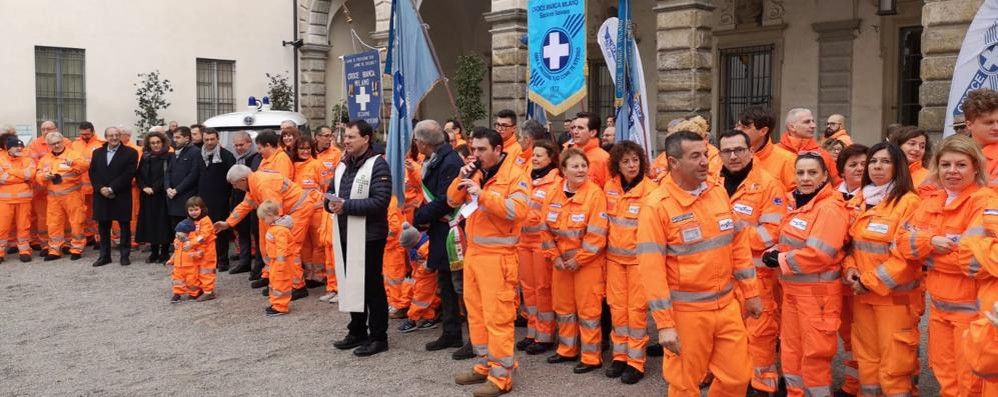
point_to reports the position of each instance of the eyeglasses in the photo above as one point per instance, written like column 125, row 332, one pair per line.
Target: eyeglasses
column 501, row 126
column 832, row 123
column 736, row 151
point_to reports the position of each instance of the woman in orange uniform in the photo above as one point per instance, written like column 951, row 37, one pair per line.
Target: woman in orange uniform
column 932, row 237
column 573, row 241
column 980, row 251
column 851, row 165
column 809, row 256
column 535, row 268
column 885, row 310
column 308, row 175
column 625, row 293
column 915, row 144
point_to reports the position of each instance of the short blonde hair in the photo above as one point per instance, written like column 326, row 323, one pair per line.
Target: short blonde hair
column 268, row 208
column 961, row 145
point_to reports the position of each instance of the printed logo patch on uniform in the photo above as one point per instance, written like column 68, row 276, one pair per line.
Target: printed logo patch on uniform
column 634, row 209
column 953, row 237
column 991, row 211
column 555, row 205
column 602, row 215
column 726, row 224
column 743, row 209
column 540, row 193
column 798, row 223
column 777, row 201
column 552, row 216
column 612, row 193
column 879, row 228
column 692, row 234
column 683, row 217
column 523, row 184
column 578, row 217
column 327, row 164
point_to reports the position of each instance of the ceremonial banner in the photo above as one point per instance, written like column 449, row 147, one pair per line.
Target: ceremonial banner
column 632, row 120
column 363, row 84
column 557, row 51
column 977, row 65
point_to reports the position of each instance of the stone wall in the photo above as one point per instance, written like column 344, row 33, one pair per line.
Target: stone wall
column 945, row 23
column 684, row 59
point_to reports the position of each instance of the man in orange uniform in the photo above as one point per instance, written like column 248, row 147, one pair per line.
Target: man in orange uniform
column 505, row 125
column 61, row 172
column 691, row 255
column 84, row 145
column 531, row 132
column 799, row 138
column 328, row 154
column 37, row 149
column 757, row 202
column 758, row 123
column 17, row 170
column 981, row 110
column 835, row 128
column 263, row 186
column 490, row 274
column 268, row 143
column 585, row 136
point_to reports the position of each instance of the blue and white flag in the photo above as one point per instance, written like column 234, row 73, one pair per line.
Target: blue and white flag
column 977, row 64
column 557, row 52
column 632, row 121
column 363, row 84
column 414, row 72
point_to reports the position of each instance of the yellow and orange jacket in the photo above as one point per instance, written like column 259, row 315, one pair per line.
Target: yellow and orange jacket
column 576, row 227
column 779, row 163
column 330, row 159
column 622, row 209
column 86, row 150
column 811, row 242
column 17, row 174
column 494, row 228
column 69, row 164
column 892, row 280
column 279, row 162
column 270, row 186
column 759, row 205
column 541, row 192
column 691, row 253
column 953, row 279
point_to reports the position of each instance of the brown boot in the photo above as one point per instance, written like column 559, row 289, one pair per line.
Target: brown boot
column 469, row 378
column 488, row 389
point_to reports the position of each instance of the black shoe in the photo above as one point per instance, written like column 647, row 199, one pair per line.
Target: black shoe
column 444, row 342
column 616, row 368
column 176, row 299
column 75, row 257
column 299, row 293
column 254, row 276
column 25, row 258
column 523, row 344
column 464, row 353
column 101, row 262
column 265, row 291
column 843, row 393
column 539, row 348
column 124, row 261
column 271, row 312
column 314, row 284
column 557, row 358
column 234, row 257
column 65, row 250
column 152, row 258
column 753, row 392
column 11, row 250
column 654, row 350
column 349, row 342
column 50, row 257
column 36, row 247
column 371, row 348
column 239, row 269
column 520, row 321
column 631, row 376
column 583, row 368
column 223, row 267
column 263, row 282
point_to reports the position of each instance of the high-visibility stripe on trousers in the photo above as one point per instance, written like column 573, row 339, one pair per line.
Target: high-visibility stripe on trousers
column 39, row 218
column 850, row 378
column 625, row 294
column 185, row 280
column 808, row 340
column 394, row 270
column 281, row 286
column 577, row 298
column 947, row 323
column 535, row 282
column 425, row 300
column 19, row 216
column 764, row 332
column 299, row 230
column 709, row 340
column 489, row 287
column 313, row 255
column 330, row 269
column 60, row 209
column 885, row 344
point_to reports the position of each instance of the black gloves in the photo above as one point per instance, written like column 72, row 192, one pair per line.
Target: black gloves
column 771, row 258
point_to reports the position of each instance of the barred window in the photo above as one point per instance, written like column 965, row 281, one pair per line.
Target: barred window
column 746, row 80
column 60, row 88
column 215, row 92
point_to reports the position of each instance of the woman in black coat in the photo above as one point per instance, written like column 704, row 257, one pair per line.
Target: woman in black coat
column 154, row 221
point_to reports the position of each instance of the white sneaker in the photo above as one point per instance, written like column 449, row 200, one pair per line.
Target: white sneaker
column 335, row 298
column 327, row 297
column 392, row 310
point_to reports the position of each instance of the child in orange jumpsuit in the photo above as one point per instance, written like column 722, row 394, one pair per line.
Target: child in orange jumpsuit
column 194, row 257
column 279, row 250
column 422, row 308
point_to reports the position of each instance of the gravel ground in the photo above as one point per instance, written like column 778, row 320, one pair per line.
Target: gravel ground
column 71, row 329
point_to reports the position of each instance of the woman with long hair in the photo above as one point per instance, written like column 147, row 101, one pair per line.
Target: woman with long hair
column 153, row 224
column 308, row 175
column 917, row 148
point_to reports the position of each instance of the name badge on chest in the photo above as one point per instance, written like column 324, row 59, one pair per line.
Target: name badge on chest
column 798, row 223
column 879, row 228
column 692, row 234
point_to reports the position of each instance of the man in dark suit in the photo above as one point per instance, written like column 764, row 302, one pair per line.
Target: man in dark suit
column 111, row 171
column 441, row 167
column 181, row 180
column 215, row 190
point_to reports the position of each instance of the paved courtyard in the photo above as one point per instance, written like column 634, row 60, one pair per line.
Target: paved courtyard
column 71, row 329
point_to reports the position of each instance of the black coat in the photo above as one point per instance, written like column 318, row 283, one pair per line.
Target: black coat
column 183, row 175
column 213, row 188
column 118, row 176
column 437, row 177
column 375, row 206
column 154, row 221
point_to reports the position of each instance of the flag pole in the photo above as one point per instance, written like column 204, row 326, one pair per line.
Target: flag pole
column 433, row 51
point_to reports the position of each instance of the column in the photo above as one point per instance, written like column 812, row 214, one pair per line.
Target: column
column 835, row 67
column 312, row 82
column 684, row 59
column 945, row 23
column 509, row 59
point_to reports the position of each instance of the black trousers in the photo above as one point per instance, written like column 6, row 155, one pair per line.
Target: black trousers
column 222, row 247
column 248, row 232
column 104, row 230
column 450, row 304
column 373, row 322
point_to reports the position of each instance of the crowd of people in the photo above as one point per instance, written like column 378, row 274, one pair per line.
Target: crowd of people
column 753, row 257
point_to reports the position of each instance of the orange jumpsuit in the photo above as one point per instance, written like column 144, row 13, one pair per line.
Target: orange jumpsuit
column 798, row 145
column 295, row 202
column 414, row 195
column 308, row 175
column 576, row 228
column 512, row 148
column 65, row 200
column 659, row 167
column 691, row 254
column 779, row 163
column 284, row 272
column 330, row 159
column 980, row 252
column 535, row 268
column 86, row 150
column 952, row 292
column 280, row 162
column 625, row 293
column 811, row 241
column 523, row 160
column 758, row 207
column 918, row 173
column 194, row 261
column 424, row 292
column 37, row 149
column 843, row 136
column 599, row 162
column 490, row 267
column 394, row 265
column 885, row 333
column 16, row 177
